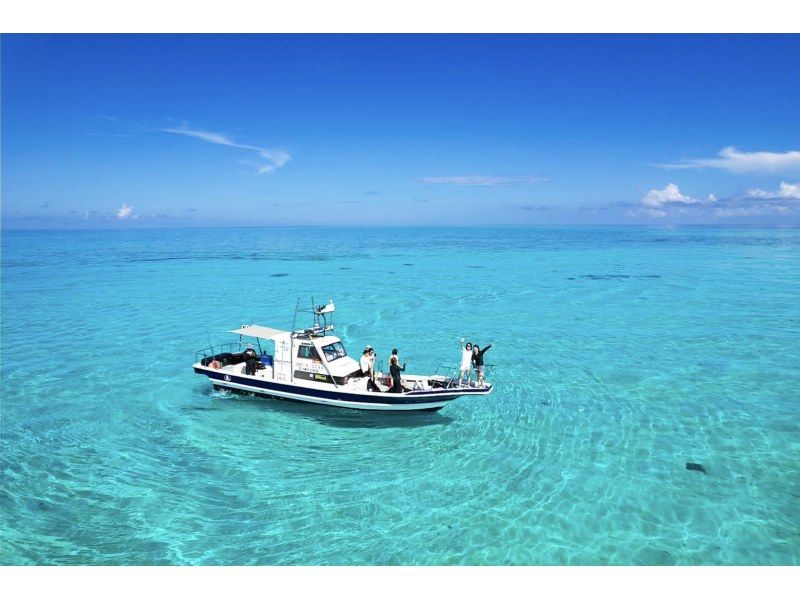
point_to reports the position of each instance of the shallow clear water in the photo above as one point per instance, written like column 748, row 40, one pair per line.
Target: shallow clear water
column 620, row 356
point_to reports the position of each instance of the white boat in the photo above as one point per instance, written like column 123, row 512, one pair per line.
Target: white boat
column 311, row 365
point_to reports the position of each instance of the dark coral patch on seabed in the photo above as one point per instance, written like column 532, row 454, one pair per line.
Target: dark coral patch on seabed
column 696, row 467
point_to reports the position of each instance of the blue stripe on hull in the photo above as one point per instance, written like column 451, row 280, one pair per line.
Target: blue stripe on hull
column 409, row 398
column 278, row 398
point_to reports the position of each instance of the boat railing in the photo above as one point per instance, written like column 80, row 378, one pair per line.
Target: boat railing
column 452, row 375
column 206, row 352
column 449, row 373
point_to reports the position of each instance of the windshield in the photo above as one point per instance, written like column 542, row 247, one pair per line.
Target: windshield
column 333, row 351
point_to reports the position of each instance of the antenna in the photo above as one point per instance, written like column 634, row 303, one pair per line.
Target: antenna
column 321, row 315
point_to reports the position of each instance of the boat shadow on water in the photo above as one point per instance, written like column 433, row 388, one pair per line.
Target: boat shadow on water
column 338, row 417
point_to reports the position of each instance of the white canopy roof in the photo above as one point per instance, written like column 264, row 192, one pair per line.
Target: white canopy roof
column 257, row 331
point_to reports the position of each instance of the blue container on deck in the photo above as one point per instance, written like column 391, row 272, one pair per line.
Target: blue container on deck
column 266, row 360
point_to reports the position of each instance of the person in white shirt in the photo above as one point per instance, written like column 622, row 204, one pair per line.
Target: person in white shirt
column 371, row 357
column 466, row 362
column 367, row 368
column 364, row 363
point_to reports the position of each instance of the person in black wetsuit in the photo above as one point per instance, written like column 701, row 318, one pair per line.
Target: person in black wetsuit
column 250, row 359
column 394, row 370
column 477, row 360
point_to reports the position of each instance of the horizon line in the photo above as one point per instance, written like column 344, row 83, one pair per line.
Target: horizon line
column 398, row 226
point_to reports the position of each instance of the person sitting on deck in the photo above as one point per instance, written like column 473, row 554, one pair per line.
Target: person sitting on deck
column 250, row 359
column 363, row 372
column 394, row 370
column 367, row 369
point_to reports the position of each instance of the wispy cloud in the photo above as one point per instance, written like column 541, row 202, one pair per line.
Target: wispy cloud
column 639, row 212
column 126, row 213
column 742, row 211
column 217, row 138
column 272, row 159
column 733, row 160
column 482, row 181
column 786, row 190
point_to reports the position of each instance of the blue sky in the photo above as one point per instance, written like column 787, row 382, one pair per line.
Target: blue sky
column 159, row 130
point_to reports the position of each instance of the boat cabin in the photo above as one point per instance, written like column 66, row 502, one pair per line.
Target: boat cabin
column 309, row 354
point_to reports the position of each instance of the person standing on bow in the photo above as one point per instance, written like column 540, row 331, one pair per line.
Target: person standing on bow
column 466, row 362
column 477, row 361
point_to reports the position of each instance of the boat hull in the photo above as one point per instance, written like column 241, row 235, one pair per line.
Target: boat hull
column 372, row 401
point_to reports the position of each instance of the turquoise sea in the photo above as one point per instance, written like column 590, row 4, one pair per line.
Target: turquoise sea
column 620, row 355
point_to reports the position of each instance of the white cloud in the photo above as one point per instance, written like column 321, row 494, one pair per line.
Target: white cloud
column 273, row 158
column 480, row 180
column 124, row 212
column 733, row 160
column 785, row 190
column 790, row 191
column 657, row 198
column 670, row 202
